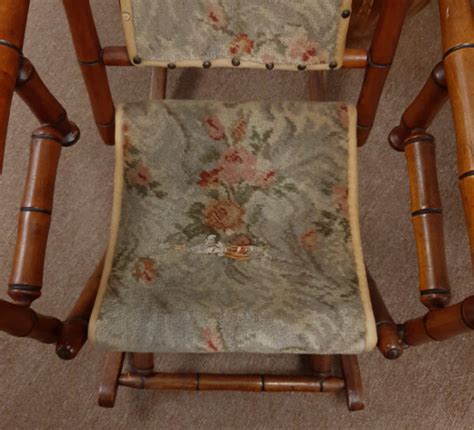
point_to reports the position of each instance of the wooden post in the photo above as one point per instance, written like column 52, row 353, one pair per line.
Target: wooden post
column 219, row 382
column 89, row 53
column 389, row 341
column 13, row 17
column 143, row 363
column 73, row 333
column 440, row 324
column 116, row 56
column 422, row 111
column 26, row 278
column 21, row 321
column 43, row 104
column 353, row 382
column 427, row 220
column 355, row 59
column 457, row 27
column 321, row 365
column 380, row 58
column 110, row 379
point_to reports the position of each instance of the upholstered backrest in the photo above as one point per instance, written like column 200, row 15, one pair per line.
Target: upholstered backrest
column 280, row 34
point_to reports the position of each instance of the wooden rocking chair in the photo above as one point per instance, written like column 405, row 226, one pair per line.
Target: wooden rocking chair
column 188, row 270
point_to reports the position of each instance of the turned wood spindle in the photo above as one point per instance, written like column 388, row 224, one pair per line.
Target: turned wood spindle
column 26, row 278
column 389, row 342
column 380, row 58
column 440, row 324
column 142, row 362
column 13, row 17
column 457, row 29
column 422, row 111
column 219, row 382
column 321, row 365
column 89, row 54
column 427, row 220
column 43, row 104
column 24, row 322
column 73, row 333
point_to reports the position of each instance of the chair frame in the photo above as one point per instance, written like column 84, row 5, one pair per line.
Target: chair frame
column 18, row 75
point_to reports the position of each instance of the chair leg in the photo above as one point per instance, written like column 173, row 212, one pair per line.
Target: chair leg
column 143, row 363
column 321, row 365
column 389, row 343
column 351, row 371
column 110, row 379
column 73, row 334
column 440, row 324
column 13, row 17
column 457, row 29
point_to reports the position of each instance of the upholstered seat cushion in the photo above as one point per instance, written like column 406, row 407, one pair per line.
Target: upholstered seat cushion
column 235, row 229
column 285, row 34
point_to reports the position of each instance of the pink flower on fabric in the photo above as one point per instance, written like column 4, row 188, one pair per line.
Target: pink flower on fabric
column 139, row 175
column 145, row 270
column 239, row 131
column 265, row 179
column 216, row 15
column 223, row 215
column 209, row 178
column 236, row 165
column 215, row 128
column 341, row 198
column 308, row 239
column 212, row 340
column 241, row 44
column 344, row 116
column 303, row 49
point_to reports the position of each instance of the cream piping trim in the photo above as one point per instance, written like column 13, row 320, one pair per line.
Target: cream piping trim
column 371, row 330
column 114, row 227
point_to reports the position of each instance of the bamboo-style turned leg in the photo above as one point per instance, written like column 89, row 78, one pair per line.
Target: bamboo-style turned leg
column 427, row 220
column 20, row 321
column 73, row 333
column 13, row 17
column 110, row 379
column 43, row 104
column 354, row 390
column 440, row 324
column 457, row 26
column 389, row 340
column 424, row 108
column 380, row 57
column 142, row 363
column 89, row 53
column 321, row 365
column 26, row 277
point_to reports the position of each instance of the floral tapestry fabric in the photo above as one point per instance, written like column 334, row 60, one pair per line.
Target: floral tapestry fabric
column 285, row 34
column 234, row 231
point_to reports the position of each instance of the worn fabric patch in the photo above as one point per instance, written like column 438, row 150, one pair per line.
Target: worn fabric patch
column 309, row 33
column 235, row 230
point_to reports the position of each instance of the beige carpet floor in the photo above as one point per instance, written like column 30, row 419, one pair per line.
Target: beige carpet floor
column 430, row 387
